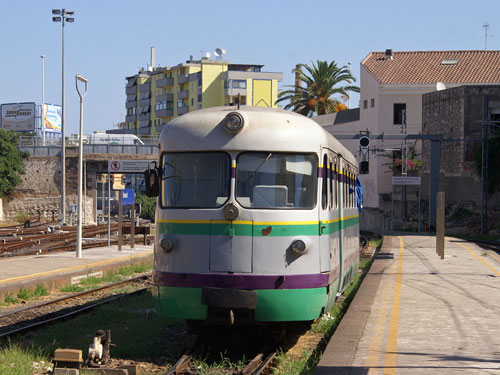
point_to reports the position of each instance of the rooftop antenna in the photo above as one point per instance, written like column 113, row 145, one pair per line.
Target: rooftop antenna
column 219, row 52
column 486, row 35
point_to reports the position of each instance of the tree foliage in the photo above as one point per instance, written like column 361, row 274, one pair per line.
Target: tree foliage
column 320, row 90
column 11, row 162
column 148, row 206
column 493, row 163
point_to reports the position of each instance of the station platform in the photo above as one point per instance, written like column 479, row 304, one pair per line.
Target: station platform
column 416, row 313
column 58, row 269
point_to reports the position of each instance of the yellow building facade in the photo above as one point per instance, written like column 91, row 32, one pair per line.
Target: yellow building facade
column 158, row 95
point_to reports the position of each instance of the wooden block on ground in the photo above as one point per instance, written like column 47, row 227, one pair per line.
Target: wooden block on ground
column 68, row 355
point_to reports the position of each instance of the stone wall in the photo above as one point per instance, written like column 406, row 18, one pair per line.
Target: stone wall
column 39, row 193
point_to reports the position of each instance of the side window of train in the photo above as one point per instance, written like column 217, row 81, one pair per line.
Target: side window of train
column 335, row 184
column 331, row 185
column 324, row 187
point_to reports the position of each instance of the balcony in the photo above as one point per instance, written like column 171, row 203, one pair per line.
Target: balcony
column 144, row 102
column 130, row 118
column 182, row 78
column 164, row 82
column 131, row 104
column 182, row 110
column 131, row 90
column 164, row 113
column 184, row 94
column 235, row 92
column 165, row 98
column 145, row 131
column 144, row 117
column 145, row 87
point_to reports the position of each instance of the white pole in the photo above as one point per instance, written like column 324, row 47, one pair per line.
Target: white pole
column 80, row 167
column 43, row 100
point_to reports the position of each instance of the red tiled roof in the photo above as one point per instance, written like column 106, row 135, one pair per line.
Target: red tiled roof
column 426, row 67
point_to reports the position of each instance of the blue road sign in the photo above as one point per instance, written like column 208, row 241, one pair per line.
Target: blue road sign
column 128, row 196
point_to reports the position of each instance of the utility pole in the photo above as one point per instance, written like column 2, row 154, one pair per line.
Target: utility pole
column 484, row 167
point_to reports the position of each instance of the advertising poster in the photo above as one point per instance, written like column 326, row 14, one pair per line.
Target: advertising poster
column 52, row 122
column 18, row 117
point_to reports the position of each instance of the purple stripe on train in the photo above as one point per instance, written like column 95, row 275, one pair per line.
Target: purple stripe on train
column 233, row 172
column 241, row 281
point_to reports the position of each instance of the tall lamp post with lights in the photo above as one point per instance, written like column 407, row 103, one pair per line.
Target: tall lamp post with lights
column 80, row 78
column 43, row 99
column 63, row 16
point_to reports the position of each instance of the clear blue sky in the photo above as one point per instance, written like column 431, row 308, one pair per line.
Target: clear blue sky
column 111, row 40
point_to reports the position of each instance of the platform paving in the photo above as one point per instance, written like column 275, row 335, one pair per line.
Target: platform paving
column 54, row 270
column 419, row 314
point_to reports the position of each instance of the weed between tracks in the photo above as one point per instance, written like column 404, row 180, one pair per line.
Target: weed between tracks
column 109, row 277
column 25, row 295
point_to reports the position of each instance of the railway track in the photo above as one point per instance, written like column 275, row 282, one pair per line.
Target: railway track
column 257, row 366
column 27, row 318
column 17, row 241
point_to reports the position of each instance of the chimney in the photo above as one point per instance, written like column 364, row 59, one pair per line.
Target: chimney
column 153, row 57
column 388, row 54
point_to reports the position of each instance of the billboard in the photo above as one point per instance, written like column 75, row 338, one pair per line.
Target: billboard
column 52, row 121
column 19, row 117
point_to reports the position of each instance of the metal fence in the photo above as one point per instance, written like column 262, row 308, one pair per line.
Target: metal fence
column 53, row 150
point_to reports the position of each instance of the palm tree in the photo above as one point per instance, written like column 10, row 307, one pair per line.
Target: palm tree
column 321, row 81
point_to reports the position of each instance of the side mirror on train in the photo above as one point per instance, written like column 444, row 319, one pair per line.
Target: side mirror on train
column 152, row 181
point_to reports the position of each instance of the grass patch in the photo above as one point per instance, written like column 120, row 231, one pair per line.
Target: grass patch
column 18, row 360
column 136, row 329
column 206, row 366
column 109, row 277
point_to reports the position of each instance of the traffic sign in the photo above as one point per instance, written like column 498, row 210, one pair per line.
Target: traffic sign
column 128, row 166
column 402, row 180
column 128, row 196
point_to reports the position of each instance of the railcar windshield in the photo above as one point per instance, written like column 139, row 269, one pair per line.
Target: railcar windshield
column 276, row 180
column 195, row 179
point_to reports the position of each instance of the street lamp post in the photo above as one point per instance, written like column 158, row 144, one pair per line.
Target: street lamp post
column 80, row 78
column 61, row 15
column 43, row 100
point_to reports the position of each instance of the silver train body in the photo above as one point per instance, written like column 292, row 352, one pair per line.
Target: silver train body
column 256, row 218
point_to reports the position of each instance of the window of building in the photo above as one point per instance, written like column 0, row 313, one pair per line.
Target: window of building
column 161, row 106
column 399, row 113
column 372, row 102
column 192, row 102
column 239, row 84
column 199, row 98
column 365, row 104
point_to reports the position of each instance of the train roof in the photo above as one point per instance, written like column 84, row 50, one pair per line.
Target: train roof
column 266, row 129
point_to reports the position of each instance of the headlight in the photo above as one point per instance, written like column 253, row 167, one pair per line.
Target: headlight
column 234, row 122
column 167, row 244
column 299, row 247
column 230, row 211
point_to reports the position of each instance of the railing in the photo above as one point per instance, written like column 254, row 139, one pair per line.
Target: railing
column 53, row 150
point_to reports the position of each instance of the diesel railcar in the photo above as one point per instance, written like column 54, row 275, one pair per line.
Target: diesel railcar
column 256, row 219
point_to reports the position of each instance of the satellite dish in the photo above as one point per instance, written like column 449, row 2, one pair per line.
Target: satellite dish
column 224, row 51
column 208, row 55
column 218, row 52
column 440, row 86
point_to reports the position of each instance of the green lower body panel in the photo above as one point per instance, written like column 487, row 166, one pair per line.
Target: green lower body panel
column 274, row 305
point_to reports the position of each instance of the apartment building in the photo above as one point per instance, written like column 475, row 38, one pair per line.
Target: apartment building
column 159, row 94
column 392, row 85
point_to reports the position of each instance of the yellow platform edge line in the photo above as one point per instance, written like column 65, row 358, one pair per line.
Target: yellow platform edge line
column 74, row 268
column 480, row 259
column 391, row 348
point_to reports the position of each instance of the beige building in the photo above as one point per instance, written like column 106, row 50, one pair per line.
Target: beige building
column 392, row 85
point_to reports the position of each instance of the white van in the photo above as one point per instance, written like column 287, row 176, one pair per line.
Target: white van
column 114, row 139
